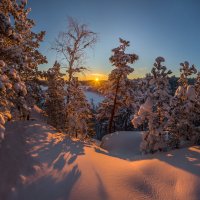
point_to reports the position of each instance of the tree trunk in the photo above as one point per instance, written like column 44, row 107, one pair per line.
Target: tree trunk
column 114, row 106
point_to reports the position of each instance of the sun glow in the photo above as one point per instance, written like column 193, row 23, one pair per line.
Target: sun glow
column 97, row 79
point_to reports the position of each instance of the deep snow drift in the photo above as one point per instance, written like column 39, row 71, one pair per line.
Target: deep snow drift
column 38, row 163
column 123, row 144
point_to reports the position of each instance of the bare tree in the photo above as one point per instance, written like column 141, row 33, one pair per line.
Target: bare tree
column 72, row 45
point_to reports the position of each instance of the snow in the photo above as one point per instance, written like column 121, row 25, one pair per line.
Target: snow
column 37, row 162
column 43, row 88
column 146, row 107
column 91, row 96
column 2, row 120
column 20, row 86
column 180, row 91
column 95, row 97
column 13, row 72
column 123, row 143
column 3, row 78
column 190, row 93
column 2, row 129
column 2, row 63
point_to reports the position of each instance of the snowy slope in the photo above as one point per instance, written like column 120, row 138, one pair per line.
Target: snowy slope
column 38, row 163
column 123, row 144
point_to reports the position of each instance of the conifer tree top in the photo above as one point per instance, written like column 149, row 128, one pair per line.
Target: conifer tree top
column 120, row 58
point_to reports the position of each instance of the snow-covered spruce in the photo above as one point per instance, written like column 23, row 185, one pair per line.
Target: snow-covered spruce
column 12, row 95
column 19, row 44
column 155, row 109
column 142, row 90
column 197, row 109
column 19, row 58
column 78, row 112
column 119, row 90
column 55, row 100
column 184, row 110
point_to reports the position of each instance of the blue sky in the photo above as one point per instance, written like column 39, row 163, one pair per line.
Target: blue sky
column 168, row 28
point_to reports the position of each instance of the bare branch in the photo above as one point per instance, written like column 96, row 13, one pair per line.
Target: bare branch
column 72, row 45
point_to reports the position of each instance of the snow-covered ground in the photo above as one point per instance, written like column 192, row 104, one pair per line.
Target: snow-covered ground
column 94, row 97
column 123, row 144
column 38, row 163
column 44, row 88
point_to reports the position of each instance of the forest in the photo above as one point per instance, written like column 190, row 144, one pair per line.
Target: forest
column 163, row 107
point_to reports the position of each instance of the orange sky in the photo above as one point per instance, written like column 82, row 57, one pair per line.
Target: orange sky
column 92, row 76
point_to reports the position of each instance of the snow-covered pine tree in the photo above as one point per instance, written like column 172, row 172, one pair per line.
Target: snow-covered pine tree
column 196, row 120
column 141, row 92
column 155, row 109
column 19, row 57
column 122, row 121
column 78, row 112
column 197, row 85
column 5, row 104
column 118, row 92
column 12, row 93
column 182, row 112
column 12, row 88
column 19, row 45
column 142, row 89
column 197, row 108
column 55, row 100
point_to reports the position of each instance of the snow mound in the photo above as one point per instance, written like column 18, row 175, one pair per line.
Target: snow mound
column 37, row 162
column 122, row 143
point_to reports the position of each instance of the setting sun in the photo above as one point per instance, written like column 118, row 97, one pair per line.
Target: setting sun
column 97, row 79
